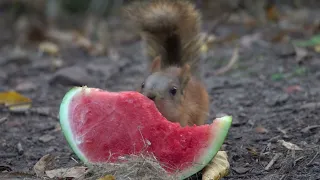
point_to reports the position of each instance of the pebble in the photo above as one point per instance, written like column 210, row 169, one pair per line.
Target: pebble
column 18, row 56
column 284, row 50
column 3, row 75
column 26, row 86
column 102, row 69
column 277, row 99
column 314, row 91
column 46, row 138
column 241, row 170
column 72, row 76
column 317, row 75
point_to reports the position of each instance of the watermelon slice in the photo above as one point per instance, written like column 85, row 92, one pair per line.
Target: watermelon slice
column 99, row 123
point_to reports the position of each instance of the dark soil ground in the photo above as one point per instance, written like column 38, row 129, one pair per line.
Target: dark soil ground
column 255, row 92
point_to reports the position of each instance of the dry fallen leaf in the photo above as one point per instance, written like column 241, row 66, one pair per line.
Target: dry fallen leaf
column 289, row 145
column 317, row 48
column 261, row 130
column 292, row 89
column 107, row 177
column 280, row 37
column 204, row 48
column 301, row 54
column 49, row 47
column 97, row 49
column 309, row 128
column 253, row 151
column 74, row 172
column 15, row 101
column 247, row 41
column 40, row 167
column 272, row 13
column 217, row 168
column 56, row 63
column 83, row 42
column 61, row 36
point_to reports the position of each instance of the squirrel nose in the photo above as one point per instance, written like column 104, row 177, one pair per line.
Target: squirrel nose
column 151, row 96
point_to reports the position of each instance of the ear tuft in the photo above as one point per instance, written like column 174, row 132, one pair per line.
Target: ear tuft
column 156, row 64
column 185, row 75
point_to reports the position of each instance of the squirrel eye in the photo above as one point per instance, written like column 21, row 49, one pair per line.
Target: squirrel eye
column 173, row 91
column 142, row 85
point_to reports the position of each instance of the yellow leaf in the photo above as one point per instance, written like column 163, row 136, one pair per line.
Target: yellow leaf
column 272, row 12
column 49, row 48
column 204, row 48
column 12, row 98
column 20, row 107
column 217, row 168
column 83, row 42
column 15, row 101
column 317, row 48
column 107, row 177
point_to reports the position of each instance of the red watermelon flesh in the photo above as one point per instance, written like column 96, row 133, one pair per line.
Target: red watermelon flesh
column 101, row 126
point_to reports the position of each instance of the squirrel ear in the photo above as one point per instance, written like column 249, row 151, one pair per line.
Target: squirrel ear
column 185, row 75
column 156, row 64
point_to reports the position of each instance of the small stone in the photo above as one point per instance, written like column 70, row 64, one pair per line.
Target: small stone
column 102, row 69
column 241, row 170
column 18, row 56
column 26, row 86
column 317, row 75
column 277, row 99
column 50, row 149
column 42, row 110
column 3, row 75
column 72, row 76
column 46, row 138
column 284, row 50
column 261, row 130
column 237, row 123
column 314, row 91
column 57, row 63
column 42, row 64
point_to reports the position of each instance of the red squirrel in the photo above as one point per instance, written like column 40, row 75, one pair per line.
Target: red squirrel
column 170, row 30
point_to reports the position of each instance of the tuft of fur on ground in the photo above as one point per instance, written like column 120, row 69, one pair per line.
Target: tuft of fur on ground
column 140, row 167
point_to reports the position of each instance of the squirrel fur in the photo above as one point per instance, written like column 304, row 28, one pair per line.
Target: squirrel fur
column 170, row 30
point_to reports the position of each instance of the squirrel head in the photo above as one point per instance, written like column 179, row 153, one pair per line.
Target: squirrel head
column 166, row 87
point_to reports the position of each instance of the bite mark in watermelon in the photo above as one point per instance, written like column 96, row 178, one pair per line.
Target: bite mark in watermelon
column 98, row 123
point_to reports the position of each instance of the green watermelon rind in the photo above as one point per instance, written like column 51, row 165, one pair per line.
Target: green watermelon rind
column 64, row 121
column 219, row 132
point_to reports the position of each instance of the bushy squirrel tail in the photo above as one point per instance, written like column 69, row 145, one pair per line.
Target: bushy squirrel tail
column 170, row 28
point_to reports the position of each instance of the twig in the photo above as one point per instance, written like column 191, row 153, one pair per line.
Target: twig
column 17, row 174
column 295, row 161
column 273, row 160
column 3, row 119
column 311, row 105
column 274, row 138
column 314, row 157
column 223, row 19
column 245, row 175
column 283, row 176
column 233, row 60
column 74, row 159
column 8, row 155
column 40, row 112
